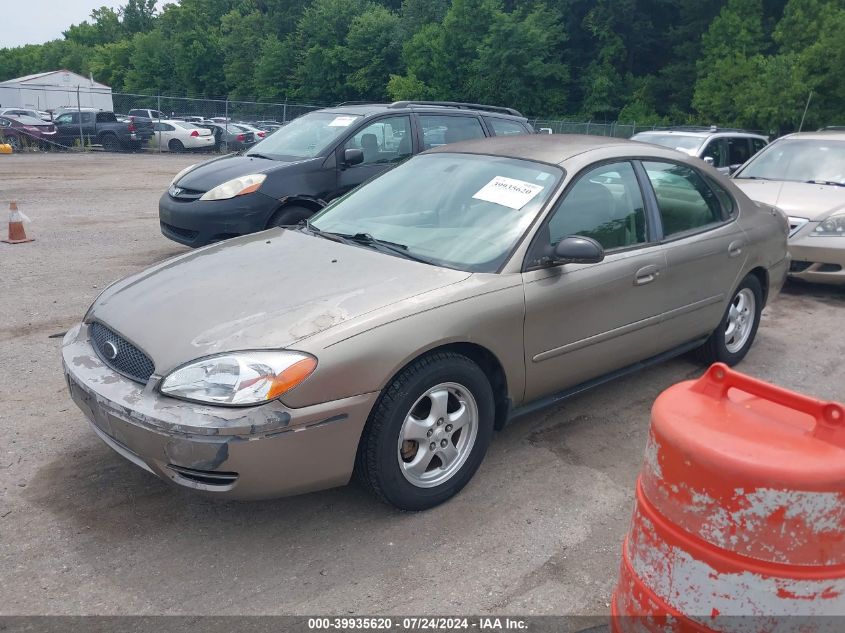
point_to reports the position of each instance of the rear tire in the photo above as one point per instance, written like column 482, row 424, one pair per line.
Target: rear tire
column 731, row 340
column 175, row 145
column 110, row 143
column 446, row 401
column 289, row 216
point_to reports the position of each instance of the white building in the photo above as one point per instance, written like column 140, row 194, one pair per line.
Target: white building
column 54, row 89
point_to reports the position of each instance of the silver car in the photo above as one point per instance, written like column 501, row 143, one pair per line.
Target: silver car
column 804, row 175
column 394, row 332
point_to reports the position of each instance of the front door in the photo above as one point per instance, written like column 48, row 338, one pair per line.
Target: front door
column 585, row 320
column 384, row 142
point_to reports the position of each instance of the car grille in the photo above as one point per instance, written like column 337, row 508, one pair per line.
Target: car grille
column 796, row 224
column 184, row 233
column 119, row 354
column 181, row 193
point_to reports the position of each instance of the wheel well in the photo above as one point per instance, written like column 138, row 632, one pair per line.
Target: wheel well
column 306, row 203
column 763, row 277
column 494, row 371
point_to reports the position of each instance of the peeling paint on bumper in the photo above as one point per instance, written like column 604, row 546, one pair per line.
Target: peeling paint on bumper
column 239, row 453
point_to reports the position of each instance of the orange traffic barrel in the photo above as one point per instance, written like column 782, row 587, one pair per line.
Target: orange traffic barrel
column 740, row 511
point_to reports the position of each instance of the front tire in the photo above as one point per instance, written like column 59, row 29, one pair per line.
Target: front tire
column 428, row 432
column 289, row 216
column 731, row 340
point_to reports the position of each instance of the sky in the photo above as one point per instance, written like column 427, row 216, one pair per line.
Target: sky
column 38, row 21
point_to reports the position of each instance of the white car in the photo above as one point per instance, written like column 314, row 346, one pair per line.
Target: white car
column 178, row 136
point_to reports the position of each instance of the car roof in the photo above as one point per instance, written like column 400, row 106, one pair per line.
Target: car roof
column 701, row 133
column 834, row 135
column 553, row 149
column 371, row 109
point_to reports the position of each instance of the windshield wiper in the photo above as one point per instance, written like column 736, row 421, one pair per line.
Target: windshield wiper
column 259, row 155
column 392, row 247
column 833, row 183
column 750, row 178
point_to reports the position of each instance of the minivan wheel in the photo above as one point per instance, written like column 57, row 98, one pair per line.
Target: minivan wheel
column 428, row 432
column 289, row 216
column 732, row 339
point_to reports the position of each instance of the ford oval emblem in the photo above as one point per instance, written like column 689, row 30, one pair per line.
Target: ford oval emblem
column 109, row 350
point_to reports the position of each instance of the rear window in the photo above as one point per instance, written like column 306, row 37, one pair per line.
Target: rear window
column 505, row 127
column 442, row 130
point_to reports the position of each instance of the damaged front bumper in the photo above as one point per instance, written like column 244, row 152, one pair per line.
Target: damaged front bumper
column 241, row 453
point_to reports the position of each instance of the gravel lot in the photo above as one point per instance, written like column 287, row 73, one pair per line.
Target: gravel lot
column 83, row 531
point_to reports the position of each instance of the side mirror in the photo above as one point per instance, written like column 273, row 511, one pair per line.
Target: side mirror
column 709, row 160
column 353, row 157
column 544, row 130
column 733, row 169
column 577, row 249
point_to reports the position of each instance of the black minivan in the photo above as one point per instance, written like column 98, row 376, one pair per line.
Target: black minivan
column 297, row 170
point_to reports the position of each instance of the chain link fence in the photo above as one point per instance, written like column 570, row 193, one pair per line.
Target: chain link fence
column 606, row 128
column 230, row 109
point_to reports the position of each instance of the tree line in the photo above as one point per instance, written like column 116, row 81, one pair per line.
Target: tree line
column 749, row 63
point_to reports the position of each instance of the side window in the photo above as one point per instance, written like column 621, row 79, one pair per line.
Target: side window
column 716, row 150
column 441, row 129
column 63, row 119
column 684, row 200
column 605, row 204
column 738, row 151
column 5, row 123
column 756, row 145
column 87, row 118
column 505, row 127
column 725, row 200
column 383, row 141
column 155, row 114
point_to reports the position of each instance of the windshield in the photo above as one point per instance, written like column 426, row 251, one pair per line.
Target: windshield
column 456, row 210
column 306, row 136
column 681, row 142
column 799, row 159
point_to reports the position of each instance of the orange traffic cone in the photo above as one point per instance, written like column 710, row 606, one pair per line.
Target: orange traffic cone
column 17, row 234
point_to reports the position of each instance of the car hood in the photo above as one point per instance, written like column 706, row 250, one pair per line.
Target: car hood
column 797, row 199
column 208, row 175
column 262, row 291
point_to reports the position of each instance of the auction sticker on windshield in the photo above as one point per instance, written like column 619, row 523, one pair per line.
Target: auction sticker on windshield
column 508, row 192
column 342, row 121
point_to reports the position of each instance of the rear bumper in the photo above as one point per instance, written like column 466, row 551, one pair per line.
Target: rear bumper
column 818, row 259
column 199, row 222
column 236, row 453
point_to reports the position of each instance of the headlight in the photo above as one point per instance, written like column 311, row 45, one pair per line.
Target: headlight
column 236, row 187
column 834, row 225
column 182, row 173
column 239, row 378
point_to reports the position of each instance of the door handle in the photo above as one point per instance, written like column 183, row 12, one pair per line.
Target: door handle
column 646, row 275
column 735, row 248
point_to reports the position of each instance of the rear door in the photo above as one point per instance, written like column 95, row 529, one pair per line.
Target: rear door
column 442, row 129
column 705, row 248
column 585, row 320
column 384, row 142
